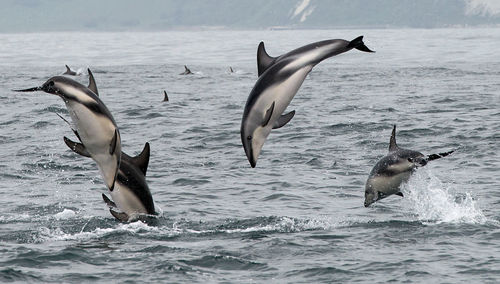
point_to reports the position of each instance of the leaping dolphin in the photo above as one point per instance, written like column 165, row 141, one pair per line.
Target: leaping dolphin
column 69, row 71
column 94, row 123
column 131, row 196
column 279, row 80
column 392, row 170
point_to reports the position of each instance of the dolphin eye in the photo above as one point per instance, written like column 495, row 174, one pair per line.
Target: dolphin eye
column 249, row 137
column 410, row 160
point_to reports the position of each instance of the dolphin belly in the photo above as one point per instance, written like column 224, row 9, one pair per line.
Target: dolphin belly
column 97, row 133
column 388, row 184
column 127, row 201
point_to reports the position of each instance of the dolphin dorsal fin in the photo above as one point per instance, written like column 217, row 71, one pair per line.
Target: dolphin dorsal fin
column 142, row 160
column 268, row 115
column 186, row 69
column 392, row 143
column 284, row 119
column 165, row 98
column 92, row 85
column 67, row 68
column 264, row 61
column 76, row 147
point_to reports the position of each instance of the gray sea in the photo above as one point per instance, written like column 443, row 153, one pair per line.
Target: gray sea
column 298, row 217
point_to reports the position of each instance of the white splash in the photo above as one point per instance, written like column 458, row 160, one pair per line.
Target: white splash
column 433, row 201
column 482, row 7
column 65, row 214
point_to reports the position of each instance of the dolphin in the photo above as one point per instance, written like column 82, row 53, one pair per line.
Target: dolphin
column 94, row 123
column 165, row 98
column 132, row 199
column 279, row 80
column 393, row 170
column 186, row 71
column 69, row 71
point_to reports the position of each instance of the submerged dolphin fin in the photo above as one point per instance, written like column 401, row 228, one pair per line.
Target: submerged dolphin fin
column 113, row 143
column 68, row 70
column 264, row 61
column 142, row 160
column 358, row 44
column 121, row 216
column 284, row 119
column 438, row 156
column 76, row 147
column 92, row 85
column 268, row 115
column 108, row 201
column 165, row 98
column 392, row 144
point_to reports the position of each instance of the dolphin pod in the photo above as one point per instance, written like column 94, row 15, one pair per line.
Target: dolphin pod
column 393, row 169
column 279, row 80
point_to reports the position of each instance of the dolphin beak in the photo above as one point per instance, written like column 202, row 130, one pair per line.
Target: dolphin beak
column 34, row 89
column 253, row 163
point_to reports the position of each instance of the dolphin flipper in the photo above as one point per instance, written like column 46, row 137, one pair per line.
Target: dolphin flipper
column 268, row 115
column 108, row 201
column 76, row 147
column 119, row 215
column 264, row 61
column 92, row 85
column 358, row 44
column 284, row 119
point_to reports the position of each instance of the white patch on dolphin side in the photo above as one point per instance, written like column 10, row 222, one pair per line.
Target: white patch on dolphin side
column 401, row 166
column 76, row 93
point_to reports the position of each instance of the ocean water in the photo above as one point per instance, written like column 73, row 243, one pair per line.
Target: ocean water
column 298, row 217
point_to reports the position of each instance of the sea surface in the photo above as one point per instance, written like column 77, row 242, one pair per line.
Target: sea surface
column 298, row 217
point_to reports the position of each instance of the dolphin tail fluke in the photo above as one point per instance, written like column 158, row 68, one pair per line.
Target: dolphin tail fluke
column 438, row 156
column 358, row 44
column 121, row 216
